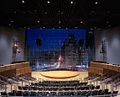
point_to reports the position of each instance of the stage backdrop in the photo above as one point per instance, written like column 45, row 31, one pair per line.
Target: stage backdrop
column 56, row 48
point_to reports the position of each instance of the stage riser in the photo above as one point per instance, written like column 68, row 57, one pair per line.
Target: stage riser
column 16, row 69
column 97, row 68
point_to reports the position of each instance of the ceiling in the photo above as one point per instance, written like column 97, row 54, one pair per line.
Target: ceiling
column 60, row 13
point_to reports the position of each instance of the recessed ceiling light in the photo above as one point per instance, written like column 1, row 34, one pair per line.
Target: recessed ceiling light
column 71, row 2
column 91, row 28
column 23, row 1
column 81, row 22
column 59, row 27
column 12, row 21
column 76, row 27
column 9, row 24
column 109, row 25
column 28, row 27
column 90, row 32
column 38, row 21
column 48, row 2
column 45, row 12
column 96, row 3
column 59, row 21
column 14, row 12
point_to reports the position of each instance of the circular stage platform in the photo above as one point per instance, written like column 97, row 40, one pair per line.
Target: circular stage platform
column 60, row 74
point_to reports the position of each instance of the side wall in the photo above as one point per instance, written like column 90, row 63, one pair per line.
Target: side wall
column 7, row 36
column 112, row 42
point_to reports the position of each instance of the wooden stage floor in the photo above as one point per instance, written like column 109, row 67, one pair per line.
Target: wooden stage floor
column 60, row 75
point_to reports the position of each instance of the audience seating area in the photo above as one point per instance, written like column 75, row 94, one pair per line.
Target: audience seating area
column 60, row 88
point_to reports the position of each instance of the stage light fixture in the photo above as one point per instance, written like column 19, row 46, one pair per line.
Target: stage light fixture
column 23, row 1
column 96, row 3
column 38, row 21
column 9, row 24
column 71, row 2
column 81, row 22
column 48, row 2
column 12, row 21
column 76, row 27
column 59, row 22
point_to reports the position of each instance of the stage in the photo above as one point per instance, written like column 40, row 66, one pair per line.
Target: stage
column 60, row 75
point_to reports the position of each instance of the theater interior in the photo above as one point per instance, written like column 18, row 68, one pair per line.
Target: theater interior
column 59, row 48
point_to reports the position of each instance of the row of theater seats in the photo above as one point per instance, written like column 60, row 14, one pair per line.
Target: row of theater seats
column 59, row 84
column 59, row 88
column 69, row 93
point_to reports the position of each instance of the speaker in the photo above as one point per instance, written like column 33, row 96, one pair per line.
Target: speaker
column 38, row 42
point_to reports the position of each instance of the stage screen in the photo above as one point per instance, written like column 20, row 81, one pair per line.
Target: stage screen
column 56, row 48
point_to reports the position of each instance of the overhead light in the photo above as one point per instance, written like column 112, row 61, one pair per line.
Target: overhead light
column 71, row 2
column 38, row 21
column 9, row 24
column 12, row 21
column 23, row 1
column 48, row 2
column 90, row 32
column 96, row 3
column 109, row 25
column 45, row 12
column 59, row 21
column 62, row 12
column 76, row 27
column 59, row 27
column 14, row 12
column 91, row 28
column 28, row 27
column 81, row 22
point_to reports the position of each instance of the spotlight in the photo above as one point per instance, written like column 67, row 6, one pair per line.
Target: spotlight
column 9, row 24
column 38, row 21
column 48, row 2
column 12, row 21
column 45, row 12
column 44, row 27
column 59, row 22
column 14, row 12
column 76, row 27
column 59, row 27
column 23, row 1
column 81, row 22
column 96, row 3
column 71, row 2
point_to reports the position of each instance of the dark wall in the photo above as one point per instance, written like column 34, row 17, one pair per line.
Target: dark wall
column 7, row 36
column 112, row 42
